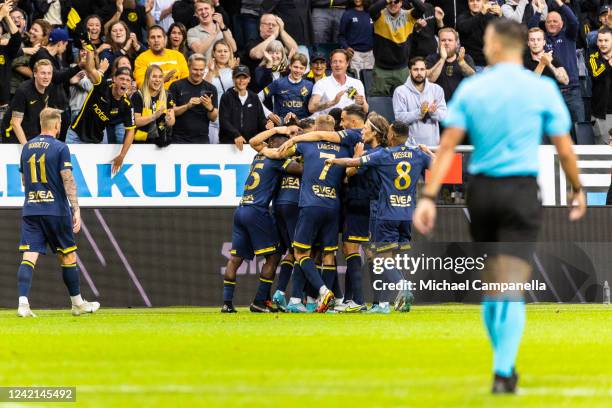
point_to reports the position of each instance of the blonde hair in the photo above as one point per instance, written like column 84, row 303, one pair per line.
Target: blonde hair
column 40, row 63
column 48, row 118
column 145, row 91
column 380, row 125
column 277, row 46
column 325, row 123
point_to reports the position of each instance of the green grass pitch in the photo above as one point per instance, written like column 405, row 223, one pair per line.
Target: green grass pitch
column 434, row 356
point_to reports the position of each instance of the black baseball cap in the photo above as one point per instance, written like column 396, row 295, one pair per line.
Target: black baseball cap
column 241, row 70
column 604, row 9
column 318, row 56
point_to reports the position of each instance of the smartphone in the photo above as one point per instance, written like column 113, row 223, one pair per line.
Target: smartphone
column 207, row 93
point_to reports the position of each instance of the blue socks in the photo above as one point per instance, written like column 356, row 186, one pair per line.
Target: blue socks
column 70, row 273
column 505, row 321
column 263, row 290
column 298, row 281
column 354, row 278
column 24, row 277
column 228, row 291
column 310, row 270
column 286, row 267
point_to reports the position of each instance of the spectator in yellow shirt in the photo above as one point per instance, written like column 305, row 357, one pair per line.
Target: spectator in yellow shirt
column 172, row 62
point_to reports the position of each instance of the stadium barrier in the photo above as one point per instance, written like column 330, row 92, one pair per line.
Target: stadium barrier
column 175, row 256
column 214, row 175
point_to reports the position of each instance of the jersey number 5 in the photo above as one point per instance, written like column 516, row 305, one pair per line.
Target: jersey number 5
column 256, row 177
column 327, row 166
column 41, row 166
column 402, row 181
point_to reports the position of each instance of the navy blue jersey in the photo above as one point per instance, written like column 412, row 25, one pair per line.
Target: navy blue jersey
column 373, row 179
column 359, row 187
column 261, row 184
column 399, row 169
column 289, row 189
column 350, row 137
column 42, row 160
column 290, row 96
column 321, row 183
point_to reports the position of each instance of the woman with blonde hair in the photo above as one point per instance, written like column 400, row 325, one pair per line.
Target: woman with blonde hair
column 153, row 109
column 220, row 67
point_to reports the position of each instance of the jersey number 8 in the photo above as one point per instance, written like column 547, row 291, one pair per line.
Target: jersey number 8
column 402, row 181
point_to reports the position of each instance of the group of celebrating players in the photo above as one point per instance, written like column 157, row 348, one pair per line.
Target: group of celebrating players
column 300, row 169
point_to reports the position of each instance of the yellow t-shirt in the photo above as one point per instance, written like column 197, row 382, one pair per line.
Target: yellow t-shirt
column 169, row 60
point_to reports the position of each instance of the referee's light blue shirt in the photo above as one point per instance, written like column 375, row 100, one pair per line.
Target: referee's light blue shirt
column 506, row 110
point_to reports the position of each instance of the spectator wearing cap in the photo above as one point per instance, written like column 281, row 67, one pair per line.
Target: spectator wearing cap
column 318, row 67
column 605, row 20
column 210, row 29
column 271, row 28
column 600, row 70
column 195, row 105
column 392, row 28
column 357, row 35
column 8, row 52
column 471, row 27
column 172, row 62
column 561, row 28
column 241, row 114
column 338, row 90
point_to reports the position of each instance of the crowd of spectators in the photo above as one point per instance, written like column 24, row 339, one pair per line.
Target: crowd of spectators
column 214, row 71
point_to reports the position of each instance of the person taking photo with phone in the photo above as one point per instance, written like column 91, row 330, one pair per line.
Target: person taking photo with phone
column 195, row 104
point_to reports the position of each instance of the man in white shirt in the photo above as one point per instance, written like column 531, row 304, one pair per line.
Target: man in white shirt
column 337, row 90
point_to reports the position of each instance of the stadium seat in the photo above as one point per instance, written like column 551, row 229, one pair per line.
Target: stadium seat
column 383, row 105
column 584, row 133
column 367, row 79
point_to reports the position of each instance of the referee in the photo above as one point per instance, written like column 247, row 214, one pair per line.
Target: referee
column 506, row 110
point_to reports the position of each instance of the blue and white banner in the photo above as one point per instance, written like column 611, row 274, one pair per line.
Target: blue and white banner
column 176, row 176
column 214, row 175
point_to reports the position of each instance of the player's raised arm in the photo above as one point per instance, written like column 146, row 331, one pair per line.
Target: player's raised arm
column 258, row 142
column 88, row 64
column 315, row 136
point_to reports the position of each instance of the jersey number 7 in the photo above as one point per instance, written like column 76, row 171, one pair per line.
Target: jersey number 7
column 41, row 164
column 327, row 166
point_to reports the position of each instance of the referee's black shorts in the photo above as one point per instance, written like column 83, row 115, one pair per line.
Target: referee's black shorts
column 504, row 209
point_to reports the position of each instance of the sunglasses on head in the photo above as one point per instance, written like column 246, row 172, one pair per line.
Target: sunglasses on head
column 396, row 1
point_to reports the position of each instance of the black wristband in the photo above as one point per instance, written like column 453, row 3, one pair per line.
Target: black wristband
column 577, row 190
column 224, row 29
column 429, row 197
column 211, row 111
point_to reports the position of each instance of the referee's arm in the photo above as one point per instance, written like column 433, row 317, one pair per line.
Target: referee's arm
column 576, row 198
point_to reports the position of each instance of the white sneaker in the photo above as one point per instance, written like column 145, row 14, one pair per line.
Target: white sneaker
column 354, row 307
column 24, row 310
column 85, row 307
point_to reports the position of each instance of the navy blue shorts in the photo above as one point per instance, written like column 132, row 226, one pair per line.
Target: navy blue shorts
column 317, row 225
column 391, row 235
column 254, row 232
column 356, row 226
column 286, row 216
column 38, row 231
